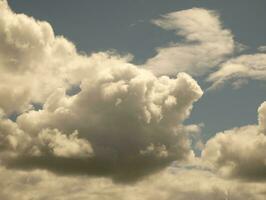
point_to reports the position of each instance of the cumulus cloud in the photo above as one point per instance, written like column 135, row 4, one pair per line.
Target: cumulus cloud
column 16, row 142
column 64, row 146
column 240, row 152
column 206, row 43
column 121, row 111
column 33, row 61
column 239, row 70
column 122, row 122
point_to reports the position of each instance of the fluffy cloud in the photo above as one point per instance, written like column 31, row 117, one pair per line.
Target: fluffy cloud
column 33, row 61
column 16, row 142
column 239, row 70
column 64, row 146
column 240, row 152
column 206, row 43
column 122, row 122
column 122, row 111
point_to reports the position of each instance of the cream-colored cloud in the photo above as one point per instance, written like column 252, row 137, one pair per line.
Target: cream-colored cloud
column 12, row 138
column 119, row 111
column 33, row 61
column 123, row 123
column 171, row 184
column 119, row 132
column 206, row 43
column 15, row 143
column 262, row 118
column 64, row 146
column 242, row 68
column 240, row 152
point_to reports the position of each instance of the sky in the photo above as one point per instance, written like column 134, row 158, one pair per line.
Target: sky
column 132, row 99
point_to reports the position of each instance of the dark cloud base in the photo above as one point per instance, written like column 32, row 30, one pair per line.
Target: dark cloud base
column 122, row 171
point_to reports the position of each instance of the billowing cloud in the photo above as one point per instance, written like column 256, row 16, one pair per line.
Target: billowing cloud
column 14, row 141
column 120, row 121
column 206, row 43
column 33, row 61
column 240, row 152
column 121, row 111
column 239, row 70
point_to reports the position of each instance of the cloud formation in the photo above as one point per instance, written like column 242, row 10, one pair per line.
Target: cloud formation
column 122, row 122
column 171, row 184
column 240, row 152
column 30, row 57
column 66, row 113
column 206, row 43
column 239, row 70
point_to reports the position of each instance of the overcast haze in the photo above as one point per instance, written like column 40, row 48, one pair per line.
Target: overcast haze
column 144, row 99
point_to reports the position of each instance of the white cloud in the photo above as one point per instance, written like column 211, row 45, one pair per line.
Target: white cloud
column 206, row 43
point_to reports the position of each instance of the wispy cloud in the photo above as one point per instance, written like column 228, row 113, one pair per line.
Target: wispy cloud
column 206, row 43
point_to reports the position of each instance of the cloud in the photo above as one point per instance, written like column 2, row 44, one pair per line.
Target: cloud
column 206, row 43
column 118, row 123
column 121, row 111
column 16, row 142
column 122, row 122
column 262, row 48
column 171, row 184
column 33, row 61
column 240, row 152
column 239, row 70
column 65, row 146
